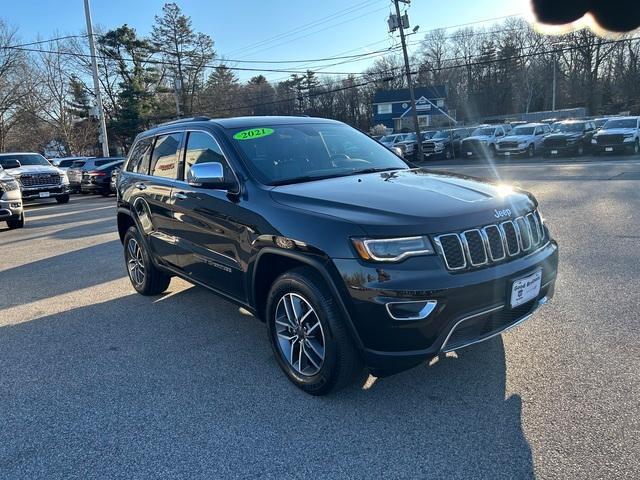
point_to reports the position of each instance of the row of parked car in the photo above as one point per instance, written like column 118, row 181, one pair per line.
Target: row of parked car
column 565, row 137
column 30, row 176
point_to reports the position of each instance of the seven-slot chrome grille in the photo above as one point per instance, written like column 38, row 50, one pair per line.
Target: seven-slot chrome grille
column 490, row 244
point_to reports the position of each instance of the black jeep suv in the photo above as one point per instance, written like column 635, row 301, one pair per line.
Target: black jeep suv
column 353, row 259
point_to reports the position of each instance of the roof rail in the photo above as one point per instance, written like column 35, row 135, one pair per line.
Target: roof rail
column 182, row 120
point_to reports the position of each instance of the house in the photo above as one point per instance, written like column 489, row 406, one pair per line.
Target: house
column 392, row 108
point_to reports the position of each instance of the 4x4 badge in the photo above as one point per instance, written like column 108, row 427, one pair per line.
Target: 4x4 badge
column 502, row 213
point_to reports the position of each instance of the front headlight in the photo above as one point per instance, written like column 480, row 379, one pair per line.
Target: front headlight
column 64, row 178
column 594, row 141
column 628, row 136
column 484, row 142
column 9, row 185
column 392, row 249
column 522, row 145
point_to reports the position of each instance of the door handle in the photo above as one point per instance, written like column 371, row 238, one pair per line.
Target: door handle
column 141, row 186
column 180, row 195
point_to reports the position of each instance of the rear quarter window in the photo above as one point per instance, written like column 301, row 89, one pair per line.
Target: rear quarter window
column 139, row 157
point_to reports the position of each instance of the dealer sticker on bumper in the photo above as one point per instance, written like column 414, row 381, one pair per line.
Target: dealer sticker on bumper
column 526, row 289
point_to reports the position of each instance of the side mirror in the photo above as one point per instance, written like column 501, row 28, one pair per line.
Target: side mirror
column 7, row 164
column 207, row 175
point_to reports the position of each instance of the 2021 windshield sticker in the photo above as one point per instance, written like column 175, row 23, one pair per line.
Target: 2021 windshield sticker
column 253, row 133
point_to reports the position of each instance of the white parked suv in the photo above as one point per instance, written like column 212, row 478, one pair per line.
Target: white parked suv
column 619, row 134
column 10, row 201
column 482, row 142
column 36, row 176
column 523, row 140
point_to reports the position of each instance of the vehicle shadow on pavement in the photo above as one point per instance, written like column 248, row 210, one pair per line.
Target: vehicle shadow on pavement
column 65, row 272
column 184, row 386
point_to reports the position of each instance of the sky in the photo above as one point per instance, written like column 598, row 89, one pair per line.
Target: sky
column 245, row 30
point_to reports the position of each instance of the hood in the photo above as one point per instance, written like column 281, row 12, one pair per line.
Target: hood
column 561, row 135
column 438, row 140
column 517, row 138
column 406, row 202
column 5, row 176
column 480, row 137
column 616, row 131
column 33, row 169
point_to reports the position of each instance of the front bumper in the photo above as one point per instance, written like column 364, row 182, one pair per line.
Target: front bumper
column 32, row 193
column 560, row 150
column 613, row 148
column 483, row 295
column 475, row 150
column 10, row 208
column 511, row 152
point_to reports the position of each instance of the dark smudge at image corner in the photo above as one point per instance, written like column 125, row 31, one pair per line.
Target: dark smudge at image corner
column 612, row 15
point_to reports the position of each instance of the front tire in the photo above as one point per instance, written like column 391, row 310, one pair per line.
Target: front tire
column 146, row 278
column 16, row 222
column 308, row 333
column 62, row 199
column 531, row 151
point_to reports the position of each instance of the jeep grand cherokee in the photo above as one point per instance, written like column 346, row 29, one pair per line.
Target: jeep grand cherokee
column 353, row 259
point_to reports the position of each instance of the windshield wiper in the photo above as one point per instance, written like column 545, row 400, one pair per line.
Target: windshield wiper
column 311, row 178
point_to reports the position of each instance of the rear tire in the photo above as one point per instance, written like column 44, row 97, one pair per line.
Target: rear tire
column 636, row 147
column 304, row 321
column 146, row 278
column 16, row 222
column 62, row 199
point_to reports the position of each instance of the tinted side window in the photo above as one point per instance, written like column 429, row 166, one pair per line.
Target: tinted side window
column 202, row 148
column 164, row 160
column 139, row 157
column 103, row 162
column 77, row 164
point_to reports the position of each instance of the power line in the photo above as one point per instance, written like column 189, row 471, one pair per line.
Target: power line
column 438, row 69
column 162, row 62
column 296, row 30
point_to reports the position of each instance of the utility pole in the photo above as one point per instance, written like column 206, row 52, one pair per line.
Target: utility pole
column 409, row 82
column 553, row 96
column 96, row 82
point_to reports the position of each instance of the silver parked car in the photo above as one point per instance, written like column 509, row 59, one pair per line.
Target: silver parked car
column 523, row 140
column 36, row 176
column 10, row 201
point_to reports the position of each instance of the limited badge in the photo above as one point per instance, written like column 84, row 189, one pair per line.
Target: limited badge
column 253, row 133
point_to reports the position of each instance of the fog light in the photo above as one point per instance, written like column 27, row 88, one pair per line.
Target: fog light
column 16, row 205
column 417, row 310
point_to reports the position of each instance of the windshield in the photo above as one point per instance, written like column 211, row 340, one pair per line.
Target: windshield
column 568, row 127
column 445, row 134
column 523, row 131
column 488, row 131
column 33, row 159
column 621, row 123
column 297, row 153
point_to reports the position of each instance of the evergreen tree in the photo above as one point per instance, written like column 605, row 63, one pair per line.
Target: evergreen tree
column 187, row 52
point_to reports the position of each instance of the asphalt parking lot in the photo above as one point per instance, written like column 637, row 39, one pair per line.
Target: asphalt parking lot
column 99, row 382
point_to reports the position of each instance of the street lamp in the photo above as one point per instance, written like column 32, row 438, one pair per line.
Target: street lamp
column 555, row 61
